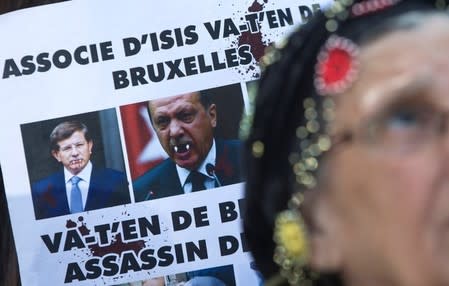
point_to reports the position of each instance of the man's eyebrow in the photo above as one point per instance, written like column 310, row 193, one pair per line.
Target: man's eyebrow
column 159, row 118
column 74, row 143
column 182, row 109
column 185, row 108
column 159, row 114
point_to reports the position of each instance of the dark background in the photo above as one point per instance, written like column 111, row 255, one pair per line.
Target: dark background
column 11, row 5
column 229, row 102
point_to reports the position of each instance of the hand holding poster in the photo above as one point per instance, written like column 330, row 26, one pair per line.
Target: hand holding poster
column 119, row 117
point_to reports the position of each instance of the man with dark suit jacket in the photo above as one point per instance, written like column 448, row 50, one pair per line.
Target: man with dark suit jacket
column 79, row 186
column 184, row 125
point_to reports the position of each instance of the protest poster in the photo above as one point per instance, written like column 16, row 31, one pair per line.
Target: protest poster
column 80, row 80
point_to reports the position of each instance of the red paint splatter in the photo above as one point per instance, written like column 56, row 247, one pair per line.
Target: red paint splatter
column 70, row 224
column 254, row 39
column 48, row 197
column 255, row 7
column 223, row 164
column 84, row 230
column 256, row 43
column 117, row 246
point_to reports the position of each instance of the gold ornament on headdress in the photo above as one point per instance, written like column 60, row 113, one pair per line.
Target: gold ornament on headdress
column 292, row 243
column 313, row 141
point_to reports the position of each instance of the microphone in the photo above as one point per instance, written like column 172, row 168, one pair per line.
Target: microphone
column 210, row 169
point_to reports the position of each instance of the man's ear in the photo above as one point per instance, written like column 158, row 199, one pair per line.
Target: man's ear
column 150, row 115
column 325, row 234
column 212, row 112
column 55, row 154
column 90, row 144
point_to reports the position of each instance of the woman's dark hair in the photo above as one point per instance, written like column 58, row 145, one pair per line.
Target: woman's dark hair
column 283, row 87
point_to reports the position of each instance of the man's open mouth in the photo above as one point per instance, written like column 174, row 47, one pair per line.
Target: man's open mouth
column 181, row 148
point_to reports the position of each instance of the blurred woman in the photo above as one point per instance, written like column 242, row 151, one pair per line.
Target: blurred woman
column 348, row 155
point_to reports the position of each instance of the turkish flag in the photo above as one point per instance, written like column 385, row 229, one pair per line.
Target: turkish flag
column 143, row 147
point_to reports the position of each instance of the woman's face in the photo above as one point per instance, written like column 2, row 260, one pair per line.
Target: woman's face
column 389, row 191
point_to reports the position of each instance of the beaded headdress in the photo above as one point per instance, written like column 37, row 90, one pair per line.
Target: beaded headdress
column 336, row 69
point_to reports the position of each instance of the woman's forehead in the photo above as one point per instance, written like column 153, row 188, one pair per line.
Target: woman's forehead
column 402, row 62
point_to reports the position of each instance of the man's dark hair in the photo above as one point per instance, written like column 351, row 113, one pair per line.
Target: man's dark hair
column 283, row 87
column 205, row 100
column 64, row 130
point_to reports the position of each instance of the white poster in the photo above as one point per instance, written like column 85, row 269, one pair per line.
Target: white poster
column 120, row 149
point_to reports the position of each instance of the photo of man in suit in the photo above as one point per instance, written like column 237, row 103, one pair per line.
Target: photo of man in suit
column 79, row 185
column 184, row 125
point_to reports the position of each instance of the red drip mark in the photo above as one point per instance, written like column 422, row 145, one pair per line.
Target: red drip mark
column 48, row 197
column 256, row 43
column 255, row 7
column 254, row 39
column 83, row 230
column 223, row 164
column 70, row 224
column 117, row 246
